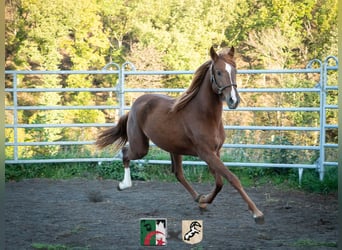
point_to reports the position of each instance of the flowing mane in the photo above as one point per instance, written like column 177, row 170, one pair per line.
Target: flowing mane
column 192, row 91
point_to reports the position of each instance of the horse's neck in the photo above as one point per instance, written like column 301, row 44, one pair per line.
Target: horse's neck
column 208, row 101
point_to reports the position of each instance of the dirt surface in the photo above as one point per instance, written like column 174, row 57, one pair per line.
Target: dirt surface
column 93, row 214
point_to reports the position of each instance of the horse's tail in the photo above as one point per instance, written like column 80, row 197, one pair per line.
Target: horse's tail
column 117, row 134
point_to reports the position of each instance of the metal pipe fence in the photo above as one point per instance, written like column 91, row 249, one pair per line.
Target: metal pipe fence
column 323, row 88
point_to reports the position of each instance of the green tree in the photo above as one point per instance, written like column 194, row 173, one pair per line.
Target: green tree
column 162, row 35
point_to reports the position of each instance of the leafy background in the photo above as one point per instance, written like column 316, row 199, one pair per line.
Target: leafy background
column 167, row 35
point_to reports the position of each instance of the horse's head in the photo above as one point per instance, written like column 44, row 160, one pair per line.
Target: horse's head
column 223, row 76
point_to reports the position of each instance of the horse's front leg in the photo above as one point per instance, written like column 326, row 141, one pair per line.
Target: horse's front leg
column 218, row 167
column 204, row 200
column 177, row 169
column 209, row 198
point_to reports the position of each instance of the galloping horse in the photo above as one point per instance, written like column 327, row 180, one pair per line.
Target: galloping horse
column 189, row 125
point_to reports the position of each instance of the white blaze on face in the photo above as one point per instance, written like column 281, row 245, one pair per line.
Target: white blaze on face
column 233, row 92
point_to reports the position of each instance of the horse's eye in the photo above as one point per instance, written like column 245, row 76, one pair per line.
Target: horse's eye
column 219, row 73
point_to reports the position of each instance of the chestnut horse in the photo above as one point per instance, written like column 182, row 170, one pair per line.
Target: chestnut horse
column 189, row 125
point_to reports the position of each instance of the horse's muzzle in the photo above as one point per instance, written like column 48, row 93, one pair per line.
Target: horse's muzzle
column 232, row 103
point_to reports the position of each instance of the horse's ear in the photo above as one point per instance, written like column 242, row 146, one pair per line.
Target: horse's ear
column 213, row 54
column 231, row 52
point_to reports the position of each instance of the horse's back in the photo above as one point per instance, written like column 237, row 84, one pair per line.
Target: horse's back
column 149, row 104
column 151, row 108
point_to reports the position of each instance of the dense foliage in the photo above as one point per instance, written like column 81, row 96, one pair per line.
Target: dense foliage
column 175, row 34
column 165, row 35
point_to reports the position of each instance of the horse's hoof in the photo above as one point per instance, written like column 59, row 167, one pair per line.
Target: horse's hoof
column 203, row 209
column 198, row 198
column 259, row 220
column 123, row 186
column 203, row 206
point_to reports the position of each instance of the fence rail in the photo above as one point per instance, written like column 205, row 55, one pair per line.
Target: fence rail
column 322, row 88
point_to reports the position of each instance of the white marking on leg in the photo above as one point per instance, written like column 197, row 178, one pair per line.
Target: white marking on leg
column 126, row 182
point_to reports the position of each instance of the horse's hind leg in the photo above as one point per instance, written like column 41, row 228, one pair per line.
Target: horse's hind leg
column 177, row 169
column 137, row 148
column 127, row 181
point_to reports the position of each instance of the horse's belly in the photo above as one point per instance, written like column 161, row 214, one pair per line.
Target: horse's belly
column 178, row 148
column 170, row 137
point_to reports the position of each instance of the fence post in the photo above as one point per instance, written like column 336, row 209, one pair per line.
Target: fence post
column 122, row 86
column 15, row 117
column 323, row 105
column 321, row 85
column 323, row 97
column 117, row 66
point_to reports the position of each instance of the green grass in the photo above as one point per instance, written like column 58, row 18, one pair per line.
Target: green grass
column 312, row 243
column 113, row 170
column 249, row 176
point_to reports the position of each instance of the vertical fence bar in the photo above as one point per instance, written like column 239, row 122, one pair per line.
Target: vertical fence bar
column 15, row 117
column 324, row 92
column 320, row 85
column 121, row 92
column 322, row 120
column 122, row 76
column 117, row 66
